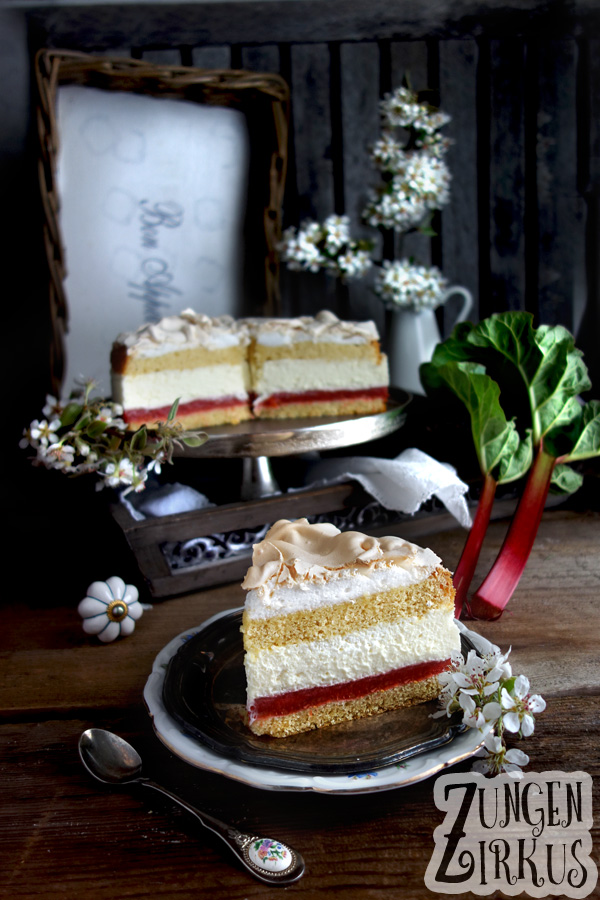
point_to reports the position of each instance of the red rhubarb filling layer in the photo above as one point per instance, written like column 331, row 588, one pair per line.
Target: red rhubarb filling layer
column 283, row 397
column 296, row 701
column 144, row 414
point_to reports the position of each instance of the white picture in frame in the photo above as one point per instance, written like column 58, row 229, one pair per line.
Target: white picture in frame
column 153, row 202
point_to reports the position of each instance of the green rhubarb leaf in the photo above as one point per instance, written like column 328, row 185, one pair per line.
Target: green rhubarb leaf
column 454, row 349
column 500, row 451
column 550, row 366
column 514, row 465
column 587, row 442
column 565, row 480
column 511, row 335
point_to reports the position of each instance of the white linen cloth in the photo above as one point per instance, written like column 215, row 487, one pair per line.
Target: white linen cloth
column 167, row 500
column 402, row 484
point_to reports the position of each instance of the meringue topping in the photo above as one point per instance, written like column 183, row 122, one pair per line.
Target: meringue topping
column 293, row 553
column 325, row 326
column 188, row 329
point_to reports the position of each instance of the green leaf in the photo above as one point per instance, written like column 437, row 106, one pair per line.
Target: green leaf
column 550, row 367
column 139, row 439
column 70, row 414
column 512, row 336
column 173, row 411
column 515, row 465
column 500, row 451
column 95, row 429
column 587, row 443
column 195, row 440
column 565, row 480
column 454, row 349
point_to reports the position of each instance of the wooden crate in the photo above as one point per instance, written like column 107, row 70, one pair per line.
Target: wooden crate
column 145, row 538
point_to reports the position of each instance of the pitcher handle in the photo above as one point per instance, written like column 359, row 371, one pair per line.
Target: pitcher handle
column 467, row 304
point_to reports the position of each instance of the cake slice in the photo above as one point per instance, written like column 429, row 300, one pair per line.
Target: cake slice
column 340, row 625
column 193, row 357
column 316, row 366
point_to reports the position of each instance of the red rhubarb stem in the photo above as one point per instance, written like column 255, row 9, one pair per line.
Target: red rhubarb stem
column 489, row 600
column 468, row 560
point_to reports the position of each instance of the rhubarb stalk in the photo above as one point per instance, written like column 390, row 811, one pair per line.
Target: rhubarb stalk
column 465, row 569
column 499, row 585
column 502, row 454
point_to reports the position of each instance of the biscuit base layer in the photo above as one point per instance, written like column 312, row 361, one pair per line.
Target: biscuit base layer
column 346, row 710
column 298, row 408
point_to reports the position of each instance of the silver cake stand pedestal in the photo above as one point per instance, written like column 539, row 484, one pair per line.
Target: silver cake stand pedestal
column 260, row 439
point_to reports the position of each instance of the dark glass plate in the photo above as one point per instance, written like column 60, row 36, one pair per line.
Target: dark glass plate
column 205, row 692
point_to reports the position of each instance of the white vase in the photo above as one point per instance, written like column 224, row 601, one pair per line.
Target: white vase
column 412, row 339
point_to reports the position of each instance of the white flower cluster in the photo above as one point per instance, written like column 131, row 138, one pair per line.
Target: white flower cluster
column 74, row 453
column 402, row 283
column 327, row 246
column 416, row 179
column 494, row 701
column 415, row 182
column 84, row 435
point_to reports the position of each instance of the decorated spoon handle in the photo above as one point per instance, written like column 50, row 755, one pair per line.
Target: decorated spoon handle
column 269, row 860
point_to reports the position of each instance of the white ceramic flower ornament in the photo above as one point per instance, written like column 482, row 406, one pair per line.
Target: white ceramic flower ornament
column 110, row 609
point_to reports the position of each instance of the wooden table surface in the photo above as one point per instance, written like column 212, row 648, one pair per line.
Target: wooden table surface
column 64, row 835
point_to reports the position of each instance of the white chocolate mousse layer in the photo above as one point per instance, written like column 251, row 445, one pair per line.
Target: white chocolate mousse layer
column 290, row 375
column 165, row 385
column 346, row 657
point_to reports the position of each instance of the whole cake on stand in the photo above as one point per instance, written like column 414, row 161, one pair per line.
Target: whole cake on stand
column 225, row 371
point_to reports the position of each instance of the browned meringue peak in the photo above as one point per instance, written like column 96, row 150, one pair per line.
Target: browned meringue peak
column 297, row 551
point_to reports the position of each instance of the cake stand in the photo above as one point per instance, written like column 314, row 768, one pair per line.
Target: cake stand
column 258, row 440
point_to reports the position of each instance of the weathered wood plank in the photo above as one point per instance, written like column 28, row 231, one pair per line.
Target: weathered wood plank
column 361, row 124
column 132, row 843
column 507, row 176
column 169, row 56
column 592, row 90
column 84, row 24
column 589, row 327
column 311, row 112
column 460, row 238
column 211, row 57
column 561, row 232
column 359, row 82
column 116, row 52
column 312, row 167
column 265, row 58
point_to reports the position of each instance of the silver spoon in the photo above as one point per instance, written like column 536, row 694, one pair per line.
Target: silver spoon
column 112, row 760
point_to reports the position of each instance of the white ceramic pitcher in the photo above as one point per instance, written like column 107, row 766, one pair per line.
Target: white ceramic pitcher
column 413, row 337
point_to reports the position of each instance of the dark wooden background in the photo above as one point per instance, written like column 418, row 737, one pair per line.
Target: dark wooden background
column 521, row 85
column 523, row 88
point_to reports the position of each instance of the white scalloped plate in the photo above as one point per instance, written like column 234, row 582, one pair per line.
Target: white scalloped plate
column 196, row 754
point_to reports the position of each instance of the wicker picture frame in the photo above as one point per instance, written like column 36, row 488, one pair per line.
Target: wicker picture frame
column 262, row 97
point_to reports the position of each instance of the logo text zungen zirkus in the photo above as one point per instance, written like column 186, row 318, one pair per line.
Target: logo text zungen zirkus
column 530, row 835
